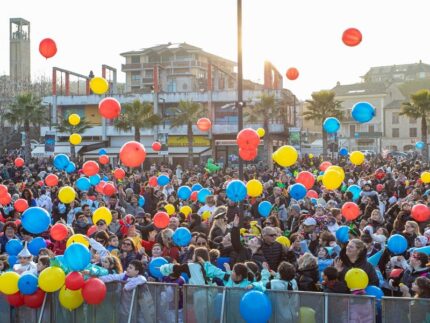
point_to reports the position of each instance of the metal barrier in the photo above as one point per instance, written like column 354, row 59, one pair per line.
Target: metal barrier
column 405, row 310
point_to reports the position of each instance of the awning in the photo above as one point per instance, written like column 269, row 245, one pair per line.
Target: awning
column 40, row 151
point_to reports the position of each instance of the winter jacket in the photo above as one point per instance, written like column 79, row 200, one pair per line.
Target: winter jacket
column 241, row 252
column 274, row 253
column 307, row 279
column 361, row 263
column 335, row 286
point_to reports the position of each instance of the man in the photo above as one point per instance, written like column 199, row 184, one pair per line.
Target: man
column 272, row 250
column 209, row 206
column 44, row 201
column 87, row 212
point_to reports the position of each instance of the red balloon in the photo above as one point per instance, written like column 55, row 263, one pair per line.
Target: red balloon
column 204, row 124
column 193, row 196
column 74, row 280
column 19, row 162
column 40, row 183
column 352, row 37
column 292, row 73
column 15, row 300
column 350, row 211
column 119, row 173
column 51, row 180
column 153, row 181
column 109, row 108
column 161, row 220
column 34, row 300
column 379, row 174
column 104, row 159
column 248, row 139
column 312, row 194
column 324, row 166
column 420, row 213
column 379, row 187
column 248, row 154
column 91, row 230
column 47, row 48
column 109, row 189
column 20, row 205
column 94, row 291
column 3, row 190
column 100, row 186
column 306, row 178
column 90, row 168
column 5, row 199
column 132, row 154
column 156, row 146
column 59, row 232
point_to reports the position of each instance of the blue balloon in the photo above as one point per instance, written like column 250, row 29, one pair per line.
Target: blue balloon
column 95, row 179
column 77, row 256
column 105, row 178
column 264, row 208
column 342, row 234
column 363, row 112
column 102, row 152
column 154, row 267
column 35, row 245
column 255, row 307
column 71, row 167
column 13, row 247
column 141, row 201
column 61, row 161
column 163, row 180
column 62, row 260
column 314, row 201
column 221, row 261
column 425, row 250
column 297, row 191
column 343, row 152
column 202, row 194
column 83, row 184
column 331, row 125
column 35, row 220
column 374, row 291
column 12, row 260
column 196, row 187
column 184, row 192
column 355, row 190
column 27, row 284
column 236, row 190
column 419, row 145
column 397, row 244
column 181, row 237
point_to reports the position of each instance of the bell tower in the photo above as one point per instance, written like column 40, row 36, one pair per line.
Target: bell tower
column 20, row 72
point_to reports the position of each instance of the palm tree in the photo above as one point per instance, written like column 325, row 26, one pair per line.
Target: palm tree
column 137, row 115
column 419, row 107
column 26, row 111
column 188, row 113
column 322, row 106
column 65, row 127
column 264, row 110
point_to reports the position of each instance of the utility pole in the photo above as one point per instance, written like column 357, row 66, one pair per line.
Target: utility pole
column 239, row 102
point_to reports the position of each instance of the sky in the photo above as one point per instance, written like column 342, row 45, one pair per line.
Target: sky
column 305, row 34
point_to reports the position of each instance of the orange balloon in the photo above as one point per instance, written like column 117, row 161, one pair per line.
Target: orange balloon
column 90, row 168
column 119, row 173
column 5, row 199
column 204, row 124
column 132, row 154
column 109, row 108
column 312, row 194
column 248, row 154
column 3, row 189
column 100, row 186
column 352, row 37
column 324, row 166
column 104, row 159
column 292, row 73
column 306, row 178
column 156, row 146
column 20, row 205
column 153, row 181
column 47, row 48
column 350, row 211
column 248, row 138
column 91, row 230
column 109, row 189
column 59, row 232
column 193, row 196
column 161, row 220
column 19, row 162
column 51, row 180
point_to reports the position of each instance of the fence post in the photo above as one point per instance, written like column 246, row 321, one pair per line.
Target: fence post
column 325, row 308
column 43, row 309
column 223, row 305
column 131, row 305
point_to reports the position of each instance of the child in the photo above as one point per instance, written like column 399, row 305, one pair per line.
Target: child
column 113, row 243
column 324, row 260
column 42, row 263
column 4, row 264
column 286, row 281
column 331, row 283
column 168, row 297
column 112, row 264
column 26, row 264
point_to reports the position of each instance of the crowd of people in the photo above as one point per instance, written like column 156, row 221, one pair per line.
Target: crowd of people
column 294, row 247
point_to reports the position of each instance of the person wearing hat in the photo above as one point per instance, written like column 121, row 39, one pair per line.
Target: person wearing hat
column 219, row 225
column 26, row 264
column 9, row 232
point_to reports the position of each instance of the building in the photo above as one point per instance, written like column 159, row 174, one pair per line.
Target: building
column 398, row 73
column 19, row 39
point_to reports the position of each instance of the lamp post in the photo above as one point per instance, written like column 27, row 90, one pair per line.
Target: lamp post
column 239, row 102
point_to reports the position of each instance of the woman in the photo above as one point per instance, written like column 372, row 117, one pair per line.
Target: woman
column 169, row 249
column 196, row 224
column 219, row 226
column 28, row 196
column 307, row 273
column 128, row 252
column 354, row 256
column 412, row 230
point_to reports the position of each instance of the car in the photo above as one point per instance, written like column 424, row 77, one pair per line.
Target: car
column 397, row 154
column 369, row 153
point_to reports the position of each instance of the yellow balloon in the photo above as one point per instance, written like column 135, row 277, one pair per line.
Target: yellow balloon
column 102, row 213
column 70, row 299
column 75, row 139
column 332, row 179
column 9, row 283
column 67, row 194
column 261, row 132
column 99, row 85
column 337, row 169
column 311, row 156
column 52, row 279
column 284, row 241
column 186, row 210
column 307, row 315
column 285, row 156
column 74, row 119
column 425, row 177
column 357, row 157
column 356, row 278
column 319, row 178
column 206, row 215
column 77, row 238
column 170, row 209
column 254, row 188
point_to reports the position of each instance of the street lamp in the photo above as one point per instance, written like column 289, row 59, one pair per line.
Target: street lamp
column 239, row 78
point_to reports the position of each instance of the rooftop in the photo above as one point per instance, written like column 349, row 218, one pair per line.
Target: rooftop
column 360, row 89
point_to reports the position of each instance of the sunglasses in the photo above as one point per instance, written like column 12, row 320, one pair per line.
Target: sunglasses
column 201, row 243
column 100, row 224
column 272, row 235
column 126, row 244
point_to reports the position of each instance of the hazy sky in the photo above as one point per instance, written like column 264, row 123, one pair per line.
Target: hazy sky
column 301, row 33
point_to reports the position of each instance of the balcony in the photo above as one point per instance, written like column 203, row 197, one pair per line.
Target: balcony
column 131, row 67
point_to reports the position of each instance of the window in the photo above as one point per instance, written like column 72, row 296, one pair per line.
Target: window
column 372, row 129
column 135, row 59
column 149, row 73
column 135, row 76
column 395, row 118
column 412, row 120
column 422, row 75
column 396, row 133
column 351, row 131
column 412, row 132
